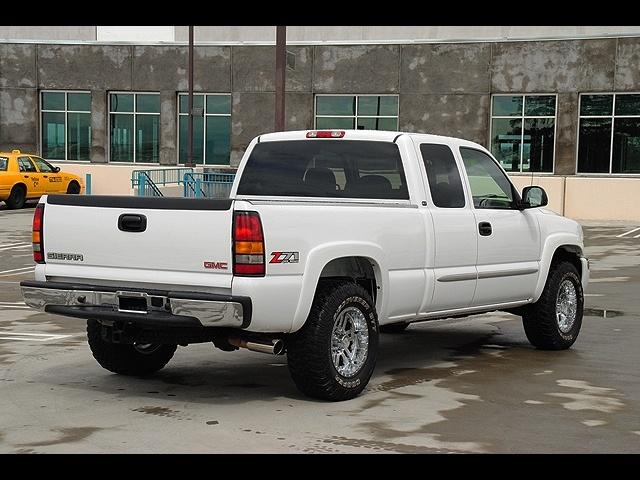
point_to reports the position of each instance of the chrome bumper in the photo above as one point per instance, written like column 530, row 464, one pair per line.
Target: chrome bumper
column 209, row 309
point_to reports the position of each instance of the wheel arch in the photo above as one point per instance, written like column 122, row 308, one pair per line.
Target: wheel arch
column 557, row 249
column 343, row 260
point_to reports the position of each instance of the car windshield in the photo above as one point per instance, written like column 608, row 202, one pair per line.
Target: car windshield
column 325, row 168
column 4, row 162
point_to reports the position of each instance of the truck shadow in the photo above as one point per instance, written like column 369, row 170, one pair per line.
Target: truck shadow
column 201, row 374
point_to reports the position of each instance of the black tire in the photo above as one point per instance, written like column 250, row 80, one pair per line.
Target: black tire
column 309, row 349
column 394, row 328
column 127, row 359
column 73, row 188
column 17, row 197
column 540, row 320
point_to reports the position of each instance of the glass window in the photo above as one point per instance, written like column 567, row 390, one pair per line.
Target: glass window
column 134, row 127
column 523, row 132
column 490, row 187
column 4, row 164
column 66, row 125
column 43, row 166
column 363, row 112
column 211, row 129
column 443, row 176
column 608, row 137
column 26, row 165
column 325, row 168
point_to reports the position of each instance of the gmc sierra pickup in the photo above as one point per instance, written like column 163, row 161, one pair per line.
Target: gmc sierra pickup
column 328, row 238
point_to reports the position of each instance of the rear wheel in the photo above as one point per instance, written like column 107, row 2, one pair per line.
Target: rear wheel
column 394, row 328
column 17, row 197
column 136, row 359
column 73, row 188
column 554, row 321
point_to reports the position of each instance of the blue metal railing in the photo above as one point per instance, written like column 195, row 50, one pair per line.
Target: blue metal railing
column 148, row 181
column 208, row 184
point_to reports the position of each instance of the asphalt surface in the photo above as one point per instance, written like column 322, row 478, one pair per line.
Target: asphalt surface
column 464, row 385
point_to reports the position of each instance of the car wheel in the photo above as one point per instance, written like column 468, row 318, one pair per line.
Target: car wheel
column 333, row 355
column 135, row 360
column 554, row 321
column 17, row 197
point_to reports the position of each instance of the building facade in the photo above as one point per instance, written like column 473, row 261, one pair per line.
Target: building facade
column 561, row 110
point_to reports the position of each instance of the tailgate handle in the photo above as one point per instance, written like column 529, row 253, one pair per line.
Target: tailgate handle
column 129, row 222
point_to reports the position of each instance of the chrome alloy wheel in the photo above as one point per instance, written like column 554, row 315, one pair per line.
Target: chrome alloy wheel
column 349, row 341
column 566, row 306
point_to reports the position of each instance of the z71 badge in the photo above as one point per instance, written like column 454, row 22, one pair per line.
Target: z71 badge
column 285, row 257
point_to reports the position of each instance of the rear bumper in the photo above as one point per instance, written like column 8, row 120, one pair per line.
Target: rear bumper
column 161, row 308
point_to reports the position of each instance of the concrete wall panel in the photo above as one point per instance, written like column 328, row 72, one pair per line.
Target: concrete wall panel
column 166, row 68
column 356, row 69
column 566, row 133
column 17, row 65
column 87, row 67
column 19, row 119
column 445, row 68
column 628, row 65
column 254, row 69
column 464, row 116
column 557, row 66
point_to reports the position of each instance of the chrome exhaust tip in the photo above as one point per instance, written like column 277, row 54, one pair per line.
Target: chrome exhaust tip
column 273, row 347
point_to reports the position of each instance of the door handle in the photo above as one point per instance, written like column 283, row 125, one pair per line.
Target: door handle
column 26, row 176
column 485, row 229
column 45, row 176
column 128, row 222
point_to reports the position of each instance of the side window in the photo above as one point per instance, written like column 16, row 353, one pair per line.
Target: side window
column 43, row 166
column 26, row 165
column 490, row 187
column 443, row 175
column 4, row 164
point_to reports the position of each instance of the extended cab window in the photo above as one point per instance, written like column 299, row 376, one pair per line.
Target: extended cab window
column 443, row 176
column 490, row 187
column 26, row 165
column 4, row 163
column 325, row 168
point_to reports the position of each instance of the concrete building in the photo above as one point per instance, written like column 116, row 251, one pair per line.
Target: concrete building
column 558, row 106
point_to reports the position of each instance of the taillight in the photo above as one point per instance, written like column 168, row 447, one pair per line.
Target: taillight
column 326, row 134
column 248, row 245
column 37, row 234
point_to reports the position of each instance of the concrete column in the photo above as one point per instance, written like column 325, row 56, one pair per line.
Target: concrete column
column 566, row 134
column 168, row 134
column 99, row 122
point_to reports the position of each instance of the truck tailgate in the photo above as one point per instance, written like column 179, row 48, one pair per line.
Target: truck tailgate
column 169, row 241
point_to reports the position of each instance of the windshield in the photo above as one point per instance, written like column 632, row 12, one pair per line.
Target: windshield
column 325, row 168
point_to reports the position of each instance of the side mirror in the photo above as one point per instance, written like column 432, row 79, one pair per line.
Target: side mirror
column 533, row 197
column 56, row 169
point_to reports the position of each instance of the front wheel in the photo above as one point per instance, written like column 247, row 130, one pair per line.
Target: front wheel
column 73, row 188
column 554, row 321
column 135, row 360
column 333, row 355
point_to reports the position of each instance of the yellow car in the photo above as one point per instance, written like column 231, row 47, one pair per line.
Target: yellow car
column 24, row 176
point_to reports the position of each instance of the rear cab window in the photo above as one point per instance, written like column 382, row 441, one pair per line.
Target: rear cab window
column 4, row 164
column 325, row 168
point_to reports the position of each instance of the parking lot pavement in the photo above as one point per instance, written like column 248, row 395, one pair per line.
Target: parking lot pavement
column 464, row 385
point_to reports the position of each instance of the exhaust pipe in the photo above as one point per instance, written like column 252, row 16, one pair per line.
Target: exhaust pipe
column 274, row 347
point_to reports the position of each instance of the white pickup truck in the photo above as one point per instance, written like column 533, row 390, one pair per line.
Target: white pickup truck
column 328, row 238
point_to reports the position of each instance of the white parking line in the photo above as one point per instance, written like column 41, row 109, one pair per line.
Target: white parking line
column 16, row 247
column 13, row 244
column 627, row 233
column 636, row 236
column 17, row 271
column 11, row 303
column 36, row 337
